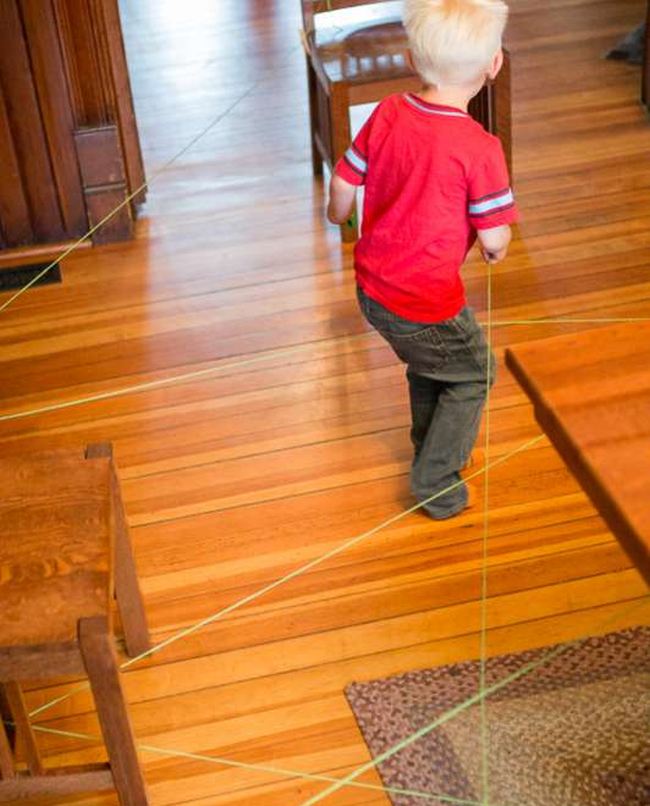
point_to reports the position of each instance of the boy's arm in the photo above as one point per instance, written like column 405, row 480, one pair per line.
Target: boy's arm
column 494, row 242
column 350, row 173
column 492, row 206
column 341, row 201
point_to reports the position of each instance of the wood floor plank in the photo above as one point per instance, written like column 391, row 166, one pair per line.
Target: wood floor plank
column 297, row 441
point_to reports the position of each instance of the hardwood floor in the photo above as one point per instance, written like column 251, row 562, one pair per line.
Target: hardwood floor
column 234, row 479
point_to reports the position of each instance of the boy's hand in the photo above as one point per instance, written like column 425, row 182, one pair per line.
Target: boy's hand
column 494, row 256
column 342, row 198
column 494, row 243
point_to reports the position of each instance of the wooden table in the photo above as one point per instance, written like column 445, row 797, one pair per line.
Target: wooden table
column 591, row 393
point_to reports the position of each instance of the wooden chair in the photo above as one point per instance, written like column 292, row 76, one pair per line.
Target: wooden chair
column 360, row 58
column 65, row 554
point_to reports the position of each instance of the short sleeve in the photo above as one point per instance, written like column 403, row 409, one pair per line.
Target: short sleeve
column 490, row 197
column 353, row 165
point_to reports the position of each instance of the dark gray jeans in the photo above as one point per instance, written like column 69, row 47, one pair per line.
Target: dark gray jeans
column 447, row 371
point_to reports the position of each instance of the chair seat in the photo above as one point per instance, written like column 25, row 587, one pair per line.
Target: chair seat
column 55, row 556
column 363, row 52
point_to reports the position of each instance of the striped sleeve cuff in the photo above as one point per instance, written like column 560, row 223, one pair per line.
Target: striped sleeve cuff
column 492, row 204
column 353, row 166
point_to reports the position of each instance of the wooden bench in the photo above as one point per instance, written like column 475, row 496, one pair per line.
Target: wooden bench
column 65, row 555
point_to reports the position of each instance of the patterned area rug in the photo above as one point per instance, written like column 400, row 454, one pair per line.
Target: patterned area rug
column 574, row 732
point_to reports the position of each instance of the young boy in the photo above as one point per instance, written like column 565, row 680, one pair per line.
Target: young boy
column 435, row 180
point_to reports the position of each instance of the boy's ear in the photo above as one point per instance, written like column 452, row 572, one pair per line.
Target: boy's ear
column 496, row 65
column 409, row 59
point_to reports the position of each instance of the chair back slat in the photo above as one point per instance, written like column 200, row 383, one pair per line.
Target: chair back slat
column 310, row 8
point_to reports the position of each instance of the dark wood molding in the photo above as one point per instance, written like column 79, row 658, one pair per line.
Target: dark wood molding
column 40, row 253
column 26, row 126
column 104, row 185
column 85, row 54
column 645, row 86
column 15, row 221
column 98, row 76
column 54, row 100
column 63, row 70
column 125, row 112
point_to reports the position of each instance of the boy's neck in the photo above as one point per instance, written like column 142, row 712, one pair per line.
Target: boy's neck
column 457, row 96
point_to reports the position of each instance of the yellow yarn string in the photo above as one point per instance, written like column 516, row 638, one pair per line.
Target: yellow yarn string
column 279, row 771
column 485, row 756
column 464, row 706
column 205, row 622
column 194, row 375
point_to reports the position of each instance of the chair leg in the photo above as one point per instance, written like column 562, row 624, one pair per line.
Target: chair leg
column 314, row 118
column 7, row 718
column 127, row 587
column 502, row 109
column 7, row 769
column 100, row 660
column 341, row 137
column 13, row 695
column 492, row 108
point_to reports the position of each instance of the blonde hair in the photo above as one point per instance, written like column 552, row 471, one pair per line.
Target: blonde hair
column 454, row 41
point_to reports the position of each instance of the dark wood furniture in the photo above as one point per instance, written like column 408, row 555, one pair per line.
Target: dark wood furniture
column 69, row 147
column 591, row 393
column 645, row 85
column 360, row 58
column 65, row 553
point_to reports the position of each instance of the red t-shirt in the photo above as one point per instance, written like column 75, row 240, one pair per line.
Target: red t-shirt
column 433, row 176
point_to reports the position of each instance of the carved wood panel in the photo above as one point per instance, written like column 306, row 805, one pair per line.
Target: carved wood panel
column 63, row 70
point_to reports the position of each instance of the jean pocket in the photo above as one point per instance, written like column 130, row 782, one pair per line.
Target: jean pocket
column 424, row 350
column 474, row 341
